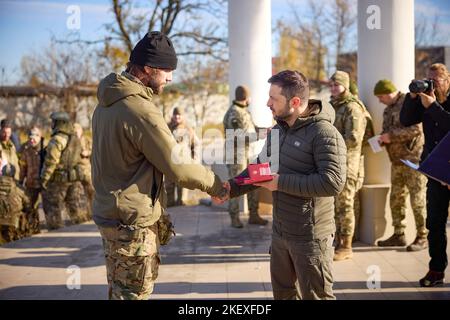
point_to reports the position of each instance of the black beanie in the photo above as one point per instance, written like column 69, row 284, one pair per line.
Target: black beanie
column 154, row 50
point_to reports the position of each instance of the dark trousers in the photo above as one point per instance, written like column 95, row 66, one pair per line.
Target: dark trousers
column 301, row 269
column 438, row 199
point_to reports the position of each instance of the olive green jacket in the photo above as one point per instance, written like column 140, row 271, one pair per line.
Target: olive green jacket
column 131, row 151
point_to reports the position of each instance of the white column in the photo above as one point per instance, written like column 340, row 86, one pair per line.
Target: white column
column 250, row 45
column 385, row 51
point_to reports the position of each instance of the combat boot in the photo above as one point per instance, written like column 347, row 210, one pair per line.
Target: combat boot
column 396, row 240
column 337, row 242
column 256, row 219
column 236, row 222
column 432, row 279
column 419, row 243
column 344, row 251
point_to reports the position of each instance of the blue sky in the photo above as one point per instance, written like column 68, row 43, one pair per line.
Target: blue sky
column 27, row 25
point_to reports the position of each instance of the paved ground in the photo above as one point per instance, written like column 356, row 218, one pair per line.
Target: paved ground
column 207, row 260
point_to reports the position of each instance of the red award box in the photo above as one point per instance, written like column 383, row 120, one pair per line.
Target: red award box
column 259, row 172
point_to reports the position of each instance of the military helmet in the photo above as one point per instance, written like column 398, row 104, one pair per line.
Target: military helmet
column 8, row 170
column 60, row 116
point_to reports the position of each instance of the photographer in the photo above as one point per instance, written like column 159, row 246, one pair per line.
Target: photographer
column 429, row 104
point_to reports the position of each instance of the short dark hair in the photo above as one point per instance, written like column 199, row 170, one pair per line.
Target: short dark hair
column 292, row 83
column 5, row 123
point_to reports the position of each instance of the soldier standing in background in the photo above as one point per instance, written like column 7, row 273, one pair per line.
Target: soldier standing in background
column 14, row 207
column 30, row 166
column 60, row 173
column 7, row 149
column 351, row 121
column 185, row 136
column 85, row 166
column 239, row 121
column 402, row 143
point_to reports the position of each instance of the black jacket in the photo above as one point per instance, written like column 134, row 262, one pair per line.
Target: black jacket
column 312, row 169
column 435, row 120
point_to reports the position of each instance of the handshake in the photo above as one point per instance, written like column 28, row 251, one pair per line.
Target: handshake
column 224, row 195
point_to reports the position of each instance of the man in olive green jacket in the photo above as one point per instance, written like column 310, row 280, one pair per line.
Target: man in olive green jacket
column 132, row 151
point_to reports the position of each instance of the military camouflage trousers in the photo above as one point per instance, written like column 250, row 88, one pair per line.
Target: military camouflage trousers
column 132, row 261
column 58, row 196
column 344, row 214
column 10, row 233
column 404, row 181
column 252, row 197
column 33, row 217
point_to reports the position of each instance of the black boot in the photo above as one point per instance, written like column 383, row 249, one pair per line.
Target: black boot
column 396, row 240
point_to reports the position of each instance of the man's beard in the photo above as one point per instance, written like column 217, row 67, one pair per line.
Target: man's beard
column 285, row 115
column 155, row 86
column 151, row 81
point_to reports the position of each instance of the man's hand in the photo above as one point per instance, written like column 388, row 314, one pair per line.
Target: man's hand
column 226, row 194
column 385, row 138
column 271, row 185
column 44, row 185
column 427, row 99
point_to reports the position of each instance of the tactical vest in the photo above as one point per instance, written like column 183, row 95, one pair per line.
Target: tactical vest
column 68, row 168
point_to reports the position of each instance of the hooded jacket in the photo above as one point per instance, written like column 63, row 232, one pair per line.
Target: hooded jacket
column 131, row 151
column 312, row 169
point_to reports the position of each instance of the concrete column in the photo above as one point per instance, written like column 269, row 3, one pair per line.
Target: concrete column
column 250, row 45
column 385, row 50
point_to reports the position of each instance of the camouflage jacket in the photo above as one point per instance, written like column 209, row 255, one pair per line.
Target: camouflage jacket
column 239, row 119
column 63, row 156
column 13, row 202
column 9, row 153
column 406, row 142
column 351, row 122
column 30, row 161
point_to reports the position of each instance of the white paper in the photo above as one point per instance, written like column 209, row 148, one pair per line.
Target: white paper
column 410, row 164
column 375, row 144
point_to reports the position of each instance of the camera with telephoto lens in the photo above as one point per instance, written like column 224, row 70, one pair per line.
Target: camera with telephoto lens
column 418, row 86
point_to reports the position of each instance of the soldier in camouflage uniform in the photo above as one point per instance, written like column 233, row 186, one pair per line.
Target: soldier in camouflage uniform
column 7, row 149
column 85, row 166
column 14, row 207
column 238, row 121
column 402, row 143
column 61, row 172
column 351, row 121
column 186, row 138
column 30, row 166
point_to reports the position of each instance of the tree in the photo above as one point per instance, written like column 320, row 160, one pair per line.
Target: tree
column 63, row 66
column 320, row 31
column 341, row 20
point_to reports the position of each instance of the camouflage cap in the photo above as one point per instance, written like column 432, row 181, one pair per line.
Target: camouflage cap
column 342, row 78
column 63, row 116
column 242, row 93
column 177, row 110
column 384, row 86
column 34, row 132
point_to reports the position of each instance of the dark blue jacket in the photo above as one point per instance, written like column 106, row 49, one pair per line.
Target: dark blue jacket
column 435, row 120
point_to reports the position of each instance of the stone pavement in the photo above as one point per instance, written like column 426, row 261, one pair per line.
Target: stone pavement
column 207, row 260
